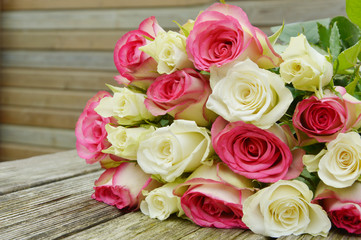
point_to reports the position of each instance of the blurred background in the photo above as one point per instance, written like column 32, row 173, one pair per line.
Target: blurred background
column 56, row 54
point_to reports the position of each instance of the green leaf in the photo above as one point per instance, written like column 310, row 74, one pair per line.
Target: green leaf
column 348, row 58
column 324, row 34
column 185, row 31
column 205, row 73
column 148, row 38
column 310, row 179
column 275, row 36
column 309, row 29
column 335, row 43
column 353, row 10
column 349, row 32
column 350, row 88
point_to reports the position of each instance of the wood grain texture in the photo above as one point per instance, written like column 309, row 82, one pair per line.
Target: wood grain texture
column 40, row 117
column 81, row 4
column 50, row 199
column 13, row 151
column 45, row 98
column 272, row 13
column 36, row 171
column 67, row 40
column 53, row 210
column 56, row 79
column 63, row 40
column 40, row 136
column 58, row 60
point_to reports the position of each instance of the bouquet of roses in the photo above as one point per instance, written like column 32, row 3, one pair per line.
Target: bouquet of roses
column 229, row 128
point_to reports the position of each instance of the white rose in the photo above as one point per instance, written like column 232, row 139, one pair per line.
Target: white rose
column 340, row 167
column 126, row 106
column 160, row 203
column 304, row 67
column 125, row 141
column 169, row 50
column 244, row 92
column 284, row 208
column 170, row 151
column 312, row 161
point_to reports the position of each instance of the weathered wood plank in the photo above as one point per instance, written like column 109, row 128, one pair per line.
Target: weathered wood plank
column 40, row 117
column 79, row 4
column 61, row 40
column 137, row 226
column 272, row 13
column 66, row 40
column 27, row 173
column 53, row 210
column 58, row 59
column 12, row 151
column 62, row 208
column 56, row 79
column 45, row 98
column 41, row 136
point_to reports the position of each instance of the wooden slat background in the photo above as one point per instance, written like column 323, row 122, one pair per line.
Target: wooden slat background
column 57, row 54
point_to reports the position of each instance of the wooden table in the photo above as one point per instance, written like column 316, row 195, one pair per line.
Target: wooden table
column 48, row 197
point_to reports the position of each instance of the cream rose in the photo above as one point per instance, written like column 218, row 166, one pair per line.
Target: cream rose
column 311, row 161
column 253, row 95
column 340, row 167
column 284, row 208
column 125, row 141
column 170, row 151
column 169, row 50
column 125, row 105
column 160, row 203
column 304, row 67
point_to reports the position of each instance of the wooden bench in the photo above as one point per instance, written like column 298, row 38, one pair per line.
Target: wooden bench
column 48, row 197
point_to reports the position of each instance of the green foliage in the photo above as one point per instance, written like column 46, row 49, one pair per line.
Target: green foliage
column 309, row 29
column 276, row 35
column 353, row 10
column 349, row 57
column 335, row 43
column 349, row 32
column 310, row 179
column 324, row 36
column 354, row 87
column 185, row 31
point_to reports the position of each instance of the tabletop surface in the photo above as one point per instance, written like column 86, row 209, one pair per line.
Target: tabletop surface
column 48, row 197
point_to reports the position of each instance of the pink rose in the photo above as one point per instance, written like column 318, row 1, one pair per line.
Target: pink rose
column 255, row 153
column 182, row 94
column 134, row 65
column 322, row 119
column 122, row 186
column 91, row 136
column 343, row 205
column 223, row 33
column 213, row 195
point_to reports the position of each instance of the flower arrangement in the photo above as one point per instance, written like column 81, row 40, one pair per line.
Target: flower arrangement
column 229, row 128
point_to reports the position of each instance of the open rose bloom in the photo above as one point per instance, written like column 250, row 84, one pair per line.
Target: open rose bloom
column 210, row 123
